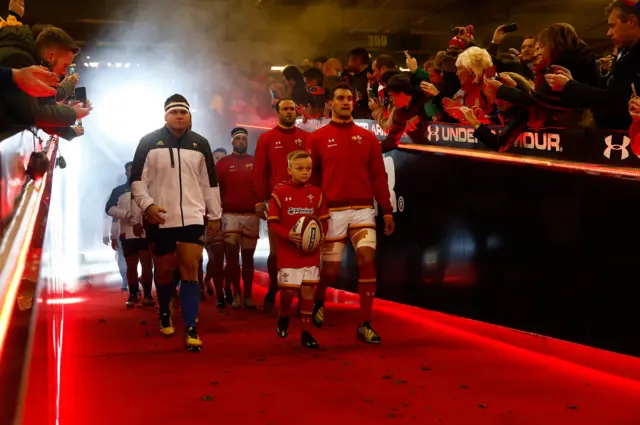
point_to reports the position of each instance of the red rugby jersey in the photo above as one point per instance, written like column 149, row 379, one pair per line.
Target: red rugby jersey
column 290, row 201
column 347, row 160
column 271, row 157
column 235, row 178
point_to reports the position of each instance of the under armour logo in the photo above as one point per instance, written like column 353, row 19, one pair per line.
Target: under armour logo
column 624, row 154
column 288, row 198
column 332, row 141
column 433, row 133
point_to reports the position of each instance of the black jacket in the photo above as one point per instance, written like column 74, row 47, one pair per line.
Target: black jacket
column 18, row 110
column 610, row 106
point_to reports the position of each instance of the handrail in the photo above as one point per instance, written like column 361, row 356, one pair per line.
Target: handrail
column 20, row 252
column 590, row 150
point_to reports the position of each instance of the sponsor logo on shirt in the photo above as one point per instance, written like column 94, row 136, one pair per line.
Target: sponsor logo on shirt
column 300, row 211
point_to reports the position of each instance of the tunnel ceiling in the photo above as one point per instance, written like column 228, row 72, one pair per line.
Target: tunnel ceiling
column 431, row 20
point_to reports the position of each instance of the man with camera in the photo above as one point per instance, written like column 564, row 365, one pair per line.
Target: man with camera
column 19, row 49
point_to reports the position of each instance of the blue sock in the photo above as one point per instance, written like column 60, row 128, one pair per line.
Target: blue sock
column 164, row 297
column 190, row 301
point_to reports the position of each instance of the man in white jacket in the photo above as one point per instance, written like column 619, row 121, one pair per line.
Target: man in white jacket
column 174, row 183
column 135, row 247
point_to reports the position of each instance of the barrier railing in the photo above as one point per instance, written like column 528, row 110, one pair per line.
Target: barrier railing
column 594, row 151
column 20, row 254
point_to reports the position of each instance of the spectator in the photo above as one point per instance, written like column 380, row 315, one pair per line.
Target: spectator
column 332, row 71
column 473, row 65
column 295, row 88
column 36, row 81
column 359, row 66
column 610, row 105
column 523, row 64
column 313, row 81
column 18, row 49
column 319, row 62
column 407, row 112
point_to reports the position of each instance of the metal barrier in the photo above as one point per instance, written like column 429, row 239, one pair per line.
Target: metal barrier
column 25, row 207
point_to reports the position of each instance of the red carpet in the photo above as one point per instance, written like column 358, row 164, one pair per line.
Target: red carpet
column 117, row 369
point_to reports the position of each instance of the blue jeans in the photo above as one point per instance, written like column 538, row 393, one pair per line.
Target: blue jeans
column 122, row 265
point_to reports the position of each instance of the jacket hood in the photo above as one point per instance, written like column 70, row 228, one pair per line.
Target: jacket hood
column 19, row 38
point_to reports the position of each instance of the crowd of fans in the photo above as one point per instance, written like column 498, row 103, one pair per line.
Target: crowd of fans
column 554, row 80
column 36, row 89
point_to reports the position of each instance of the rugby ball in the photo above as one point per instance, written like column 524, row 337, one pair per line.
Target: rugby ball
column 310, row 229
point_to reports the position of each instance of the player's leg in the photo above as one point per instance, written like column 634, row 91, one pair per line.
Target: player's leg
column 122, row 265
column 310, row 279
column 289, row 281
column 232, row 269
column 189, row 251
column 146, row 264
column 215, row 268
column 362, row 233
column 248, row 243
column 163, row 245
column 331, row 251
column 272, row 269
column 201, row 278
column 130, row 254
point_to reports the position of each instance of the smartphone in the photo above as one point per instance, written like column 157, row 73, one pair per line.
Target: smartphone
column 274, row 94
column 512, row 27
column 371, row 93
column 71, row 69
column 81, row 95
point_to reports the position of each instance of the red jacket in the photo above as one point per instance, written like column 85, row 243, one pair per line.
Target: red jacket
column 347, row 160
column 235, row 178
column 270, row 162
column 290, row 201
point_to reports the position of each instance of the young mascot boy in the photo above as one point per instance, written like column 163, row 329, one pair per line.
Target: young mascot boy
column 298, row 272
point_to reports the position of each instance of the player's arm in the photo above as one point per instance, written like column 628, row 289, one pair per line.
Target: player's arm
column 115, row 230
column 140, row 174
column 209, row 184
column 323, row 214
column 119, row 211
column 261, row 170
column 136, row 212
column 378, row 177
column 273, row 217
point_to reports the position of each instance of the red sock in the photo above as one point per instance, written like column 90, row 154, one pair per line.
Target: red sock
column 306, row 308
column 367, row 292
column 321, row 290
column 286, row 299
